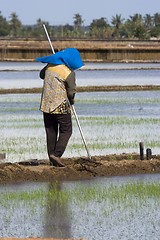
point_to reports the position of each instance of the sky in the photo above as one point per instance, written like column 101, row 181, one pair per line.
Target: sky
column 61, row 12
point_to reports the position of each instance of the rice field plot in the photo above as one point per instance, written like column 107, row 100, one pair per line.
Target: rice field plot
column 112, row 122
column 106, row 208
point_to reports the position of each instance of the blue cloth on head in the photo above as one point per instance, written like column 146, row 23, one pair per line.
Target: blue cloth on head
column 69, row 56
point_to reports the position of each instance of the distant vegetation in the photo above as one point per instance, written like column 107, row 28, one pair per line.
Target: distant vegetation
column 135, row 27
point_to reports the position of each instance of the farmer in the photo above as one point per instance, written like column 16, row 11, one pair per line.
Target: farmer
column 57, row 97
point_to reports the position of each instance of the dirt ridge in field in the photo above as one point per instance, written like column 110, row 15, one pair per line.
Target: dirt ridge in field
column 78, row 168
column 103, row 88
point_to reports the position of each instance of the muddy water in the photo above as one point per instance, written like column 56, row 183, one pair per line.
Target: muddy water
column 92, row 220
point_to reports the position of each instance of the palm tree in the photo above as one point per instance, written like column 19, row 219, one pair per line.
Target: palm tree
column 117, row 21
column 38, row 28
column 98, row 27
column 157, row 19
column 137, row 26
column 15, row 25
column 78, row 24
column 156, row 29
column 148, row 21
column 78, row 21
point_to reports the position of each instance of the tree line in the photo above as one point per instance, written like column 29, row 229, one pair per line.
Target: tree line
column 135, row 27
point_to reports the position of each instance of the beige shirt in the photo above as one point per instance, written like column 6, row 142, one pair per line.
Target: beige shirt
column 54, row 95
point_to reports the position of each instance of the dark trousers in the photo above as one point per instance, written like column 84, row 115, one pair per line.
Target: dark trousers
column 58, row 132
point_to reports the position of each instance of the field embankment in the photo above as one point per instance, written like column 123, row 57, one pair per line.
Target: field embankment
column 78, row 168
column 91, row 50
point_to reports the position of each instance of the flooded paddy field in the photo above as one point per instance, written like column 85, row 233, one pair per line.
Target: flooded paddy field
column 84, row 199
column 112, row 122
column 118, row 208
column 26, row 75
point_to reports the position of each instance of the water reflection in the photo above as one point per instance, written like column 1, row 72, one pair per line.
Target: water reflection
column 107, row 218
column 56, row 218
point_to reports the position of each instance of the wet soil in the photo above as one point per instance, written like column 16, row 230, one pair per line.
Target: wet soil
column 87, row 89
column 78, row 168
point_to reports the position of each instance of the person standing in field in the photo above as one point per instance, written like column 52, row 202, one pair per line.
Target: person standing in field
column 58, row 94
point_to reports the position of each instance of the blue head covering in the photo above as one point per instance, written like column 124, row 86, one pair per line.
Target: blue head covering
column 69, row 56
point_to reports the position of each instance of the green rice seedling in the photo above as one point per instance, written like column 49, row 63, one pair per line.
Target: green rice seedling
column 117, row 100
column 118, row 120
column 97, row 203
column 24, row 124
column 137, row 191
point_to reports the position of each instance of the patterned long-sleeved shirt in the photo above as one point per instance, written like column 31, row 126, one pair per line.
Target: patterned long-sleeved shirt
column 58, row 90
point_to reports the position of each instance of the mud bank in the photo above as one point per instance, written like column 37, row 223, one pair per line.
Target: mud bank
column 78, row 168
column 87, row 89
